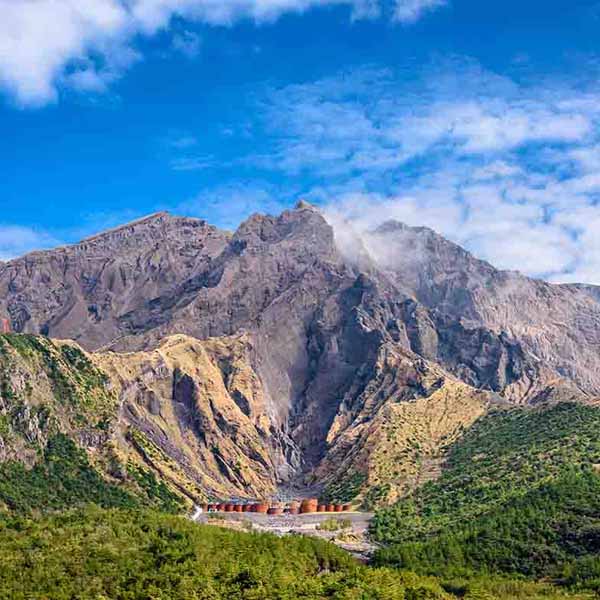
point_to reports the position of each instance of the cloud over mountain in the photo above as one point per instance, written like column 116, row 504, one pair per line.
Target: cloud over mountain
column 87, row 44
column 505, row 167
column 16, row 240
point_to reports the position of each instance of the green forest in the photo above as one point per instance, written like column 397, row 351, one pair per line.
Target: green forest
column 64, row 478
column 95, row 553
column 125, row 554
column 520, row 496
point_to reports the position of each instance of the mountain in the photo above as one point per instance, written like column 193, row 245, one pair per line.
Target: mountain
column 77, row 292
column 292, row 353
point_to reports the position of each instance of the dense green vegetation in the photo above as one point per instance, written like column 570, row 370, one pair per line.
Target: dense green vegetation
column 553, row 531
column 334, row 524
column 344, row 490
column 520, row 495
column 65, row 478
column 117, row 554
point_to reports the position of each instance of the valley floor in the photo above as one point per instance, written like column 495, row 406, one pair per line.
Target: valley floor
column 347, row 530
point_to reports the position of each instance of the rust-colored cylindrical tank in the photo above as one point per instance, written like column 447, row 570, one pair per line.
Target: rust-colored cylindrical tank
column 309, row 505
column 347, row 507
column 229, row 508
column 237, row 508
column 220, row 507
column 212, row 507
column 330, row 508
column 338, row 508
column 245, row 508
column 261, row 507
column 321, row 508
column 275, row 510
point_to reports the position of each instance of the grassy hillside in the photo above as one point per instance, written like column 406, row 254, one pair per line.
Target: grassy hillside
column 520, row 494
column 198, row 415
column 394, row 438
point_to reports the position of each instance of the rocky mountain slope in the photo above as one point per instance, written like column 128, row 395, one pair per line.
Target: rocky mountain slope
column 533, row 332
column 190, row 412
column 78, row 292
column 292, row 353
column 194, row 411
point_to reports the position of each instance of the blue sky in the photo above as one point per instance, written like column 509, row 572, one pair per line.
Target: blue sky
column 477, row 119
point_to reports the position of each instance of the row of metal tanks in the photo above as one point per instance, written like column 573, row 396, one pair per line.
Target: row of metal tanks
column 306, row 506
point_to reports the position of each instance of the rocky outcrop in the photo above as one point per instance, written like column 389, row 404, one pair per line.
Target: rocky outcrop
column 190, row 412
column 494, row 328
column 48, row 388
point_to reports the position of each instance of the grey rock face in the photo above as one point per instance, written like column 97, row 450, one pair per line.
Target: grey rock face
column 81, row 291
column 317, row 321
column 489, row 319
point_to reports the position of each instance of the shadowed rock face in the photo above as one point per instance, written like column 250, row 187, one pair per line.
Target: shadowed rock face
column 320, row 325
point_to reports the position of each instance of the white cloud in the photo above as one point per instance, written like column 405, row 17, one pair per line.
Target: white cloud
column 510, row 236
column 500, row 125
column 586, row 158
column 47, row 44
column 410, row 11
column 16, row 240
column 196, row 163
column 496, row 170
column 38, row 38
column 369, row 121
column 510, row 171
